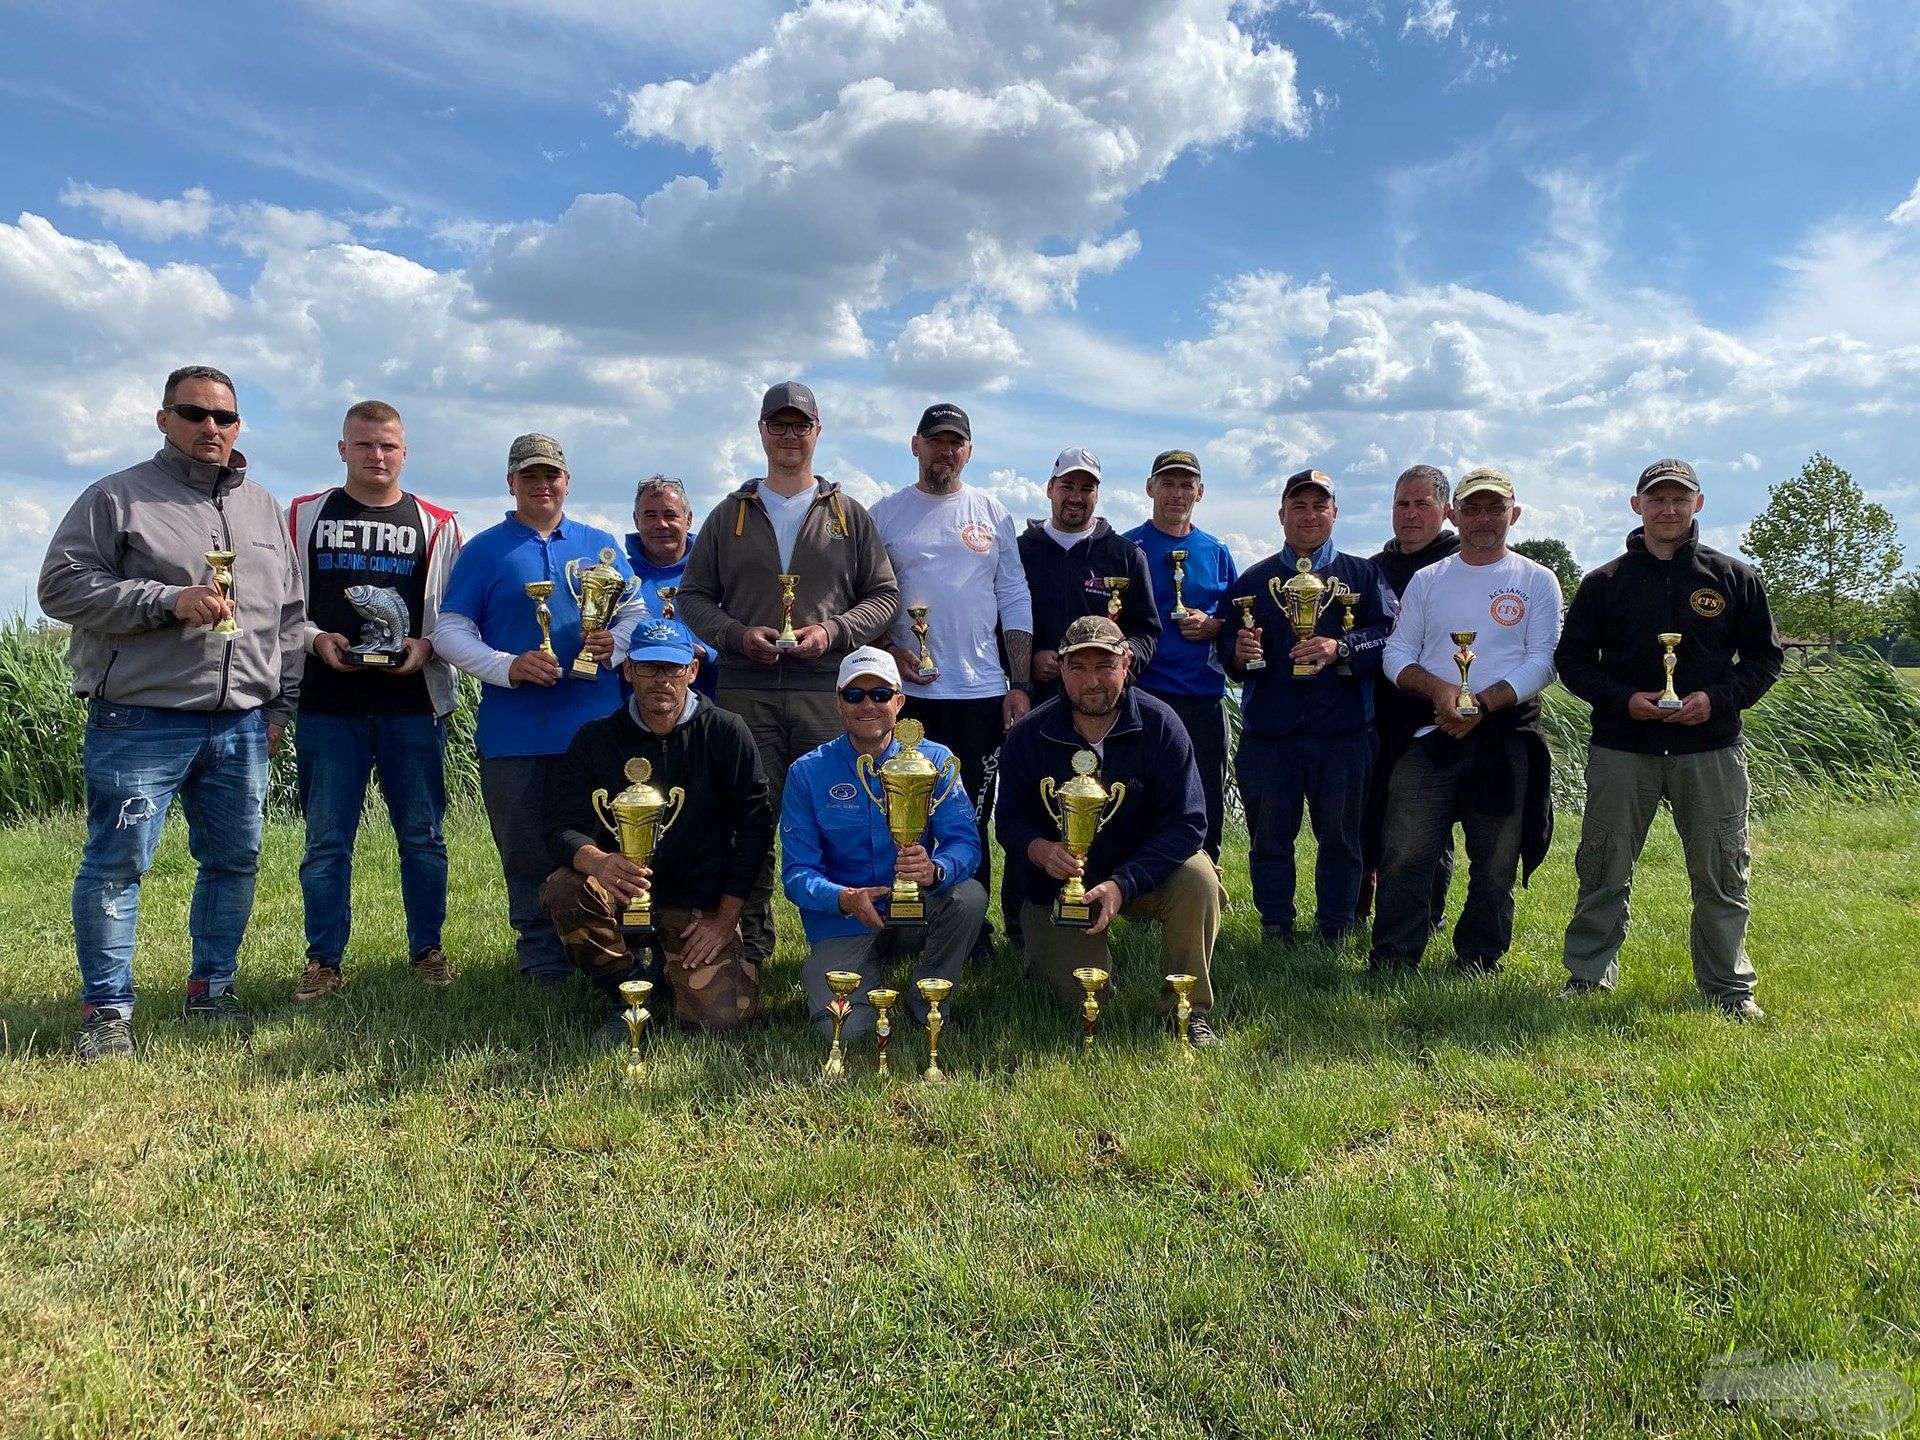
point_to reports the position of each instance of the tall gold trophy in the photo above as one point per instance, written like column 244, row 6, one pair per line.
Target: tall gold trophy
column 842, row 983
column 635, row 993
column 933, row 992
column 928, row 670
column 598, row 590
column 1246, row 603
column 1179, row 558
column 1183, row 1011
column 906, row 798
column 1084, row 806
column 635, row 816
column 1115, row 584
column 1464, row 703
column 666, row 594
column 1669, row 697
column 541, row 591
column 221, row 562
column 1301, row 599
column 787, row 638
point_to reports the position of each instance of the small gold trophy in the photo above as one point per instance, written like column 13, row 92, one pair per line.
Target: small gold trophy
column 221, row 562
column 928, row 670
column 1464, row 703
column 1346, row 599
column 635, row 993
column 882, row 1002
column 1115, row 584
column 787, row 638
column 933, row 992
column 1091, row 978
column 1301, row 599
column 1183, row 1012
column 906, row 798
column 1669, row 697
column 666, row 593
column 842, row 983
column 635, row 818
column 598, row 590
column 1085, row 805
column 1245, row 602
column 1179, row 558
column 540, row 591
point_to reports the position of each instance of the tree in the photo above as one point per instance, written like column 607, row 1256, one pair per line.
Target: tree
column 1829, row 556
column 1555, row 555
column 1906, row 606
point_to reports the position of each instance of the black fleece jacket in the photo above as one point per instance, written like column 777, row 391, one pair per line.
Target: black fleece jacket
column 1397, row 714
column 1065, row 584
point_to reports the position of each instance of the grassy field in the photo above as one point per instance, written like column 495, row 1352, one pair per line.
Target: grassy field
column 1432, row 1207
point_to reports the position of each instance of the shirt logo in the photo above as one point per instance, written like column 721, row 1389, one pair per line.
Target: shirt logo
column 1509, row 607
column 1707, row 603
column 841, row 791
column 977, row 537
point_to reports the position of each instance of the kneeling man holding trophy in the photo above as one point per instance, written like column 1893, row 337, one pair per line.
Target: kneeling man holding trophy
column 878, row 848
column 659, row 821
column 1100, row 781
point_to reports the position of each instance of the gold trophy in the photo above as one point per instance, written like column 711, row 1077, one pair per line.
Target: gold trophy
column 787, row 639
column 1085, row 805
column 1301, row 599
column 1346, row 599
column 598, row 590
column 666, row 594
column 928, row 671
column 1183, row 1012
column 906, row 798
column 1115, row 584
column 540, row 591
column 842, row 983
column 1091, row 978
column 222, row 563
column 1179, row 558
column 933, row 992
column 1245, row 602
column 1464, row 703
column 635, row 993
column 635, row 818
column 1669, row 697
column 882, row 1002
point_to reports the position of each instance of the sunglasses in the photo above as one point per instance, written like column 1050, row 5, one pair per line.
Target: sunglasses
column 788, row 427
column 194, row 414
column 879, row 694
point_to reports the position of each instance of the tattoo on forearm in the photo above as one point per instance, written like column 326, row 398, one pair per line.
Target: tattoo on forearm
column 1020, row 654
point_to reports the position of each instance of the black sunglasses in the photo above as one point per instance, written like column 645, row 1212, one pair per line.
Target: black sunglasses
column 879, row 694
column 194, row 414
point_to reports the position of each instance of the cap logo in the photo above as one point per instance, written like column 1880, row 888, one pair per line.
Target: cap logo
column 977, row 537
column 1509, row 607
column 660, row 632
column 1707, row 603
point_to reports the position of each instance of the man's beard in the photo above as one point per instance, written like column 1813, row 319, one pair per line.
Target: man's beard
column 940, row 484
column 1094, row 704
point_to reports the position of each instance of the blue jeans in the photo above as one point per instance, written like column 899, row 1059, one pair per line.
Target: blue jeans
column 1326, row 777
column 337, row 754
column 137, row 759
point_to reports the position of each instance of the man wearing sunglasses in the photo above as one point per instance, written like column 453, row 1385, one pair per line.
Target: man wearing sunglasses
column 176, row 707
column 838, row 860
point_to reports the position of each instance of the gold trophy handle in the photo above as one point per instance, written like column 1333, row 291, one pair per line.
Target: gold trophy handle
column 1116, row 792
column 951, row 771
column 1046, row 799
column 862, row 768
column 570, row 573
column 676, row 802
column 600, row 809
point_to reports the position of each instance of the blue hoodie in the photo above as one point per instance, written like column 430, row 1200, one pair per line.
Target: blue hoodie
column 832, row 835
column 652, row 577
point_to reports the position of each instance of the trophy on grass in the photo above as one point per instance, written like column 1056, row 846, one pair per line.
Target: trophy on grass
column 598, row 590
column 221, row 563
column 906, row 798
column 635, row 993
column 928, row 670
column 1115, row 584
column 842, row 983
column 638, row 816
column 1669, row 697
column 1245, row 602
column 1301, row 599
column 1091, row 978
column 541, row 591
column 933, row 992
column 1085, row 805
column 882, row 1002
column 787, row 639
column 666, row 594
column 1179, row 558
column 1464, row 703
column 384, row 625
column 1183, row 1011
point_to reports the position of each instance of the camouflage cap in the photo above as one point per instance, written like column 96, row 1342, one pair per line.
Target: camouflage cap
column 1094, row 632
column 535, row 449
column 1671, row 472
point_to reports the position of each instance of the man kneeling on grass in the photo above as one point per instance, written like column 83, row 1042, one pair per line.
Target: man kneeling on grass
column 704, row 863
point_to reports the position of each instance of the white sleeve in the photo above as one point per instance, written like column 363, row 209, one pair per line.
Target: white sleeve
column 456, row 639
column 1010, row 577
column 1409, row 630
column 1535, row 670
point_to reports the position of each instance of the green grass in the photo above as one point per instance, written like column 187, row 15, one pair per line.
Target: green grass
column 1426, row 1208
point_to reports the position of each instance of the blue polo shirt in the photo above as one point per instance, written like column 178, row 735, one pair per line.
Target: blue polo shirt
column 1182, row 666
column 488, row 587
column 652, row 577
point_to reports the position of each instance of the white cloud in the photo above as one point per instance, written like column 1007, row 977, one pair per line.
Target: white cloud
column 1907, row 212
column 1798, row 40
column 190, row 214
column 1433, row 18
column 954, row 348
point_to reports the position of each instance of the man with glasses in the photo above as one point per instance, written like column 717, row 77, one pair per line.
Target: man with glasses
column 658, row 548
column 191, row 668
column 704, row 863
column 839, row 861
column 788, row 522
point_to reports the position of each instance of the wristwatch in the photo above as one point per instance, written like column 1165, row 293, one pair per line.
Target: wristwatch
column 1025, row 687
column 939, row 874
column 1342, row 651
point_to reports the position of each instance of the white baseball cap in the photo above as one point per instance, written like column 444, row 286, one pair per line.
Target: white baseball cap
column 868, row 660
column 1076, row 459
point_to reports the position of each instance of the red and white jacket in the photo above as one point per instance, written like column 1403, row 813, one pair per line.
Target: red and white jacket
column 443, row 548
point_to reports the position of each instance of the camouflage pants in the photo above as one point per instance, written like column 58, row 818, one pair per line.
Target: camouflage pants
column 719, row 996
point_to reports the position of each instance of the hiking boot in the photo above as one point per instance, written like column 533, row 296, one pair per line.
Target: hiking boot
column 1742, row 1008
column 432, row 967
column 222, row 1009
column 106, row 1034
column 1200, row 1033
column 317, row 980
column 1575, row 988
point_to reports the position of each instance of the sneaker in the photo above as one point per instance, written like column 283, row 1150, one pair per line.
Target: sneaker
column 317, row 980
column 433, row 968
column 106, row 1034
column 1200, row 1033
column 1576, row 987
column 1742, row 1009
column 222, row 1009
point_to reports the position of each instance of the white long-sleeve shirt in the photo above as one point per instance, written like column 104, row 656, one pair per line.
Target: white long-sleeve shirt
column 1512, row 606
column 457, row 640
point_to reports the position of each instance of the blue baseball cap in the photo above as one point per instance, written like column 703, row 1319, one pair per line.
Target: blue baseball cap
column 663, row 640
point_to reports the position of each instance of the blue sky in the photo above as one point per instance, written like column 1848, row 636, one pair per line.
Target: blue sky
column 1563, row 239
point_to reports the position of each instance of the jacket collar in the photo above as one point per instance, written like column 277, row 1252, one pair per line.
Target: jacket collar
column 560, row 531
column 198, row 474
column 750, row 490
column 1099, row 530
column 1439, row 547
column 1637, row 543
column 1322, row 558
column 646, row 569
column 1059, row 726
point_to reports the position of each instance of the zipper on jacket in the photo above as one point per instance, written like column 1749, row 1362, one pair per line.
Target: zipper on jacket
column 226, row 658
column 100, row 690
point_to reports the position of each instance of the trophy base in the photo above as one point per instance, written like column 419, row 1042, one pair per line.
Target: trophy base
column 1301, row 672
column 926, row 674
column 228, row 631
column 1466, row 710
column 1254, row 665
column 637, row 922
column 906, row 912
column 1674, row 704
column 1073, row 914
column 584, row 667
column 371, row 659
column 784, row 643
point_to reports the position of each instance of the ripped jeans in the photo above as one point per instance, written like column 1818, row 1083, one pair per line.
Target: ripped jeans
column 137, row 760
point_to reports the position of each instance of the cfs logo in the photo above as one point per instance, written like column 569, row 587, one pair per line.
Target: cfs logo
column 842, row 791
column 1509, row 607
column 1707, row 603
column 977, row 537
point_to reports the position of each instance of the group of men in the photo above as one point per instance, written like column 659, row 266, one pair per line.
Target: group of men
column 762, row 666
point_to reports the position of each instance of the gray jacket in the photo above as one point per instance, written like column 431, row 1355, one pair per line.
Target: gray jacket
column 127, row 548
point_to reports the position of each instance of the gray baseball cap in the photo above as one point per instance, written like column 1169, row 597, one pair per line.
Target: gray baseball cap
column 789, row 395
column 535, row 449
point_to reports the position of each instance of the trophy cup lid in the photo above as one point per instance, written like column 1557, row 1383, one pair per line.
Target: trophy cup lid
column 605, row 569
column 908, row 761
column 639, row 799
column 1304, row 581
column 1083, row 785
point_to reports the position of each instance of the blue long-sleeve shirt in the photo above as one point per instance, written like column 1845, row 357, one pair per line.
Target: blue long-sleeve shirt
column 832, row 835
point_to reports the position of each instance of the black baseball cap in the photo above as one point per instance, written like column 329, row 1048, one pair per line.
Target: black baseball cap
column 1307, row 477
column 944, row 418
column 1676, row 472
column 1174, row 460
column 790, row 395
